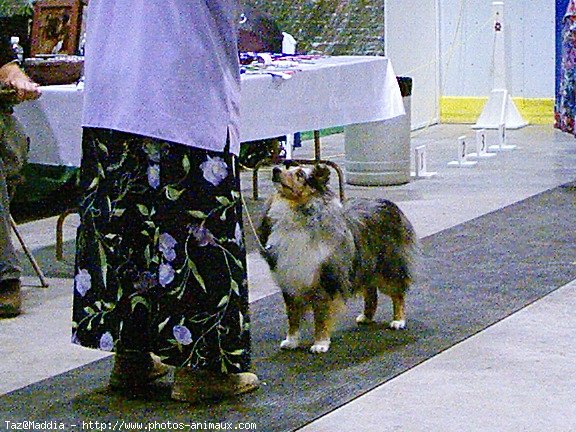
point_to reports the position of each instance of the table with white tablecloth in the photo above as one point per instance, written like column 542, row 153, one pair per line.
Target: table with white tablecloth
column 327, row 92
column 323, row 93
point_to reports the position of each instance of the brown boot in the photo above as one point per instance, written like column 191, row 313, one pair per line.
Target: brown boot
column 10, row 298
column 136, row 370
column 196, row 385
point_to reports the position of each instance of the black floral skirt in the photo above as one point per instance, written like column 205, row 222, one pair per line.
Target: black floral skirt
column 160, row 260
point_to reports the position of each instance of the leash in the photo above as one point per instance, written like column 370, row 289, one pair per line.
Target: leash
column 251, row 223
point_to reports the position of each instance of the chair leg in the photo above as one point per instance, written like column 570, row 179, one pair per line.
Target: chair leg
column 317, row 149
column 37, row 269
column 338, row 170
column 60, row 234
column 255, row 177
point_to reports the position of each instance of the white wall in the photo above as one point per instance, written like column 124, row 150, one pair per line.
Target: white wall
column 530, row 34
column 412, row 45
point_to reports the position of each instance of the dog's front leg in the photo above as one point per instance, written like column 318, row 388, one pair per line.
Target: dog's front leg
column 294, row 310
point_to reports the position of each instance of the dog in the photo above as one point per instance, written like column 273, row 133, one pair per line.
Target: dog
column 322, row 252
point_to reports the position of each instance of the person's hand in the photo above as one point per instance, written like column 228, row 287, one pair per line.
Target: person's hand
column 13, row 77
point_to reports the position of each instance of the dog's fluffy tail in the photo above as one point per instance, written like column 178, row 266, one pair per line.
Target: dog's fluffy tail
column 385, row 239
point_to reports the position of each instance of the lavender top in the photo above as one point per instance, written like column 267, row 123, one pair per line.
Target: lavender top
column 165, row 69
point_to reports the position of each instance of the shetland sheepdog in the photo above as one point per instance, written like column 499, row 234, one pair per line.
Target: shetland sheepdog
column 321, row 252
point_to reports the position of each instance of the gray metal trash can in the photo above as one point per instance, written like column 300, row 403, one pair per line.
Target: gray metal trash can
column 378, row 153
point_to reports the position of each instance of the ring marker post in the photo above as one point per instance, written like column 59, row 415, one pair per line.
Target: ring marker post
column 499, row 99
column 421, row 164
column 502, row 146
column 481, row 146
column 462, row 161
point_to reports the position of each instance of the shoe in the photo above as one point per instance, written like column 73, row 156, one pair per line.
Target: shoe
column 136, row 370
column 196, row 385
column 10, row 298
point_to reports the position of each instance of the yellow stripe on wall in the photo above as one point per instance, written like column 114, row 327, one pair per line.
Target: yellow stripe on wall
column 468, row 109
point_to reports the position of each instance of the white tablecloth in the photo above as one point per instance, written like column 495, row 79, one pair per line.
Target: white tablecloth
column 53, row 124
column 333, row 91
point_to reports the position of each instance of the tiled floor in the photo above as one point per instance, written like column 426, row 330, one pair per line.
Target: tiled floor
column 518, row 375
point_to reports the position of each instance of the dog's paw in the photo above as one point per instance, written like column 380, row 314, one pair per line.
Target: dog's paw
column 290, row 343
column 320, row 347
column 398, row 324
column 363, row 320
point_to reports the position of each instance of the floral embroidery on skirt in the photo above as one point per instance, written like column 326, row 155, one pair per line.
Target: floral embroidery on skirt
column 160, row 261
column 565, row 109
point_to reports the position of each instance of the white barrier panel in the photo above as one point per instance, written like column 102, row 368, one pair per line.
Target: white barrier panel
column 462, row 161
column 481, row 146
column 421, row 164
column 502, row 146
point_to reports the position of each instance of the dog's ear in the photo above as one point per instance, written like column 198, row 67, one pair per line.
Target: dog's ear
column 320, row 176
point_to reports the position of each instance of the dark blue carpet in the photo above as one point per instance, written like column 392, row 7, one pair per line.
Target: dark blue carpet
column 471, row 276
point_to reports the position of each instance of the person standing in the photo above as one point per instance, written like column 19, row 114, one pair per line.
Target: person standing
column 565, row 110
column 160, row 261
column 13, row 151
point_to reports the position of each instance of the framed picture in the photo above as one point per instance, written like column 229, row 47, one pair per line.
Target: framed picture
column 56, row 27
